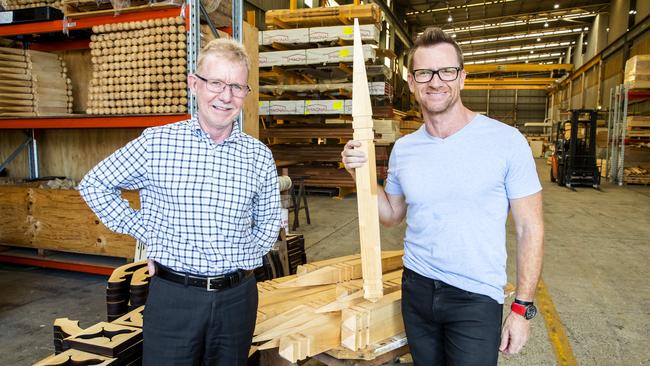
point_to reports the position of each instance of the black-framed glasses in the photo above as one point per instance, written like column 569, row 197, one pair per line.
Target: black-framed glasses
column 218, row 86
column 445, row 74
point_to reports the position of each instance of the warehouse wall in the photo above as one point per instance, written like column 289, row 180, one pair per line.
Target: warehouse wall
column 642, row 9
column 68, row 153
column 597, row 37
column 530, row 105
column 618, row 16
column 592, row 87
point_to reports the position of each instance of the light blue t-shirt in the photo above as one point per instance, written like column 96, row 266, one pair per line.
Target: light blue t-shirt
column 457, row 191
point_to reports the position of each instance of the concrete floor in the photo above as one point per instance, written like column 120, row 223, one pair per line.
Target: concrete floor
column 596, row 270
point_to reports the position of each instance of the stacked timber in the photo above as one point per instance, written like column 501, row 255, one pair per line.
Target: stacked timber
column 637, row 72
column 293, row 18
column 127, row 289
column 116, row 342
column 33, row 83
column 306, row 87
column 139, row 67
column 638, row 126
column 409, row 121
column 26, row 4
column 322, row 308
column 75, row 7
column 636, row 175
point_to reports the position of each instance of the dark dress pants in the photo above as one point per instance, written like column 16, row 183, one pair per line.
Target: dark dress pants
column 186, row 325
column 449, row 326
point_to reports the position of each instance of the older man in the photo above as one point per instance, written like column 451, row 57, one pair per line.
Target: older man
column 454, row 180
column 209, row 211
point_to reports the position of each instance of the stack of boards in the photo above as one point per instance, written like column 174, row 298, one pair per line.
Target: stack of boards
column 33, row 83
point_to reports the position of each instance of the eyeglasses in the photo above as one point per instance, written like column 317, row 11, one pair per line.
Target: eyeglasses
column 445, row 74
column 218, row 86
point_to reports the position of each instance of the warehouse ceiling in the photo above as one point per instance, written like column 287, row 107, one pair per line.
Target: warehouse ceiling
column 506, row 31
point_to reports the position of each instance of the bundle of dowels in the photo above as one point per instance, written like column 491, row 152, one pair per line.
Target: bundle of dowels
column 139, row 67
column 24, row 4
column 33, row 83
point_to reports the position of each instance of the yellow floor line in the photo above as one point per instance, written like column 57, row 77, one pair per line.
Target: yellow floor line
column 556, row 333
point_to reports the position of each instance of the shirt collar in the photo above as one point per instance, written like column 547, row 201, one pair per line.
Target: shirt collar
column 235, row 134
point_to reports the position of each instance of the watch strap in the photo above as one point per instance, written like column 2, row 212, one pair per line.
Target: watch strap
column 522, row 302
column 518, row 308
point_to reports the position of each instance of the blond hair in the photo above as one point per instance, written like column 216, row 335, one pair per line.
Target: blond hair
column 431, row 37
column 224, row 48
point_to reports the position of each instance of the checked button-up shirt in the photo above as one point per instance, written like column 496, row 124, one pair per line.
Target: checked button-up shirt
column 206, row 208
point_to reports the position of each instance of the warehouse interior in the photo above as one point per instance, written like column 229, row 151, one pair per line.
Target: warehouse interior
column 83, row 78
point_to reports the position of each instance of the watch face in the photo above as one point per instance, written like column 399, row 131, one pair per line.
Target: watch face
column 531, row 311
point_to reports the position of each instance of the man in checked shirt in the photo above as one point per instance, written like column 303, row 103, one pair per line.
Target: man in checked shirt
column 210, row 210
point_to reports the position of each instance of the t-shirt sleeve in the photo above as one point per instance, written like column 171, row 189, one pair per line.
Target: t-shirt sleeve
column 521, row 176
column 392, row 185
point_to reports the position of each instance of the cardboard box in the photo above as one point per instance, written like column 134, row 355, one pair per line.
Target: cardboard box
column 263, row 108
column 326, row 106
column 378, row 88
column 337, row 54
column 277, row 107
column 348, row 106
column 369, row 33
column 282, row 58
column 299, row 35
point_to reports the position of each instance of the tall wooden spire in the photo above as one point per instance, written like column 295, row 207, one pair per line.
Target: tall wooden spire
column 366, row 176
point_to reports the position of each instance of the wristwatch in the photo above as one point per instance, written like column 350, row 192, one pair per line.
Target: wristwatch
column 524, row 308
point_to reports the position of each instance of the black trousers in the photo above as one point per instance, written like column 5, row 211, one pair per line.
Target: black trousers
column 449, row 326
column 192, row 326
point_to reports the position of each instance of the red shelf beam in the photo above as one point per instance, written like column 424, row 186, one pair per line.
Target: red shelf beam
column 67, row 266
column 92, row 121
column 89, row 22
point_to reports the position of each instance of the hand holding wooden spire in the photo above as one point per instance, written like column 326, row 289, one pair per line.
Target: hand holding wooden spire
column 366, row 176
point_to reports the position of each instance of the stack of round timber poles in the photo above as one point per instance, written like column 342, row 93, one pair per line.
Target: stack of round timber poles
column 23, row 4
column 33, row 83
column 139, row 67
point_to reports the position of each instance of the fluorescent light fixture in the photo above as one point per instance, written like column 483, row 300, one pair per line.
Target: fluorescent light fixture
column 548, row 33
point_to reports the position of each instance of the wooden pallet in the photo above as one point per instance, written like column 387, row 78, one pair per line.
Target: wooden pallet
column 314, row 17
column 642, row 180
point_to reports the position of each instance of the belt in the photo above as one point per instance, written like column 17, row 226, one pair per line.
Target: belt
column 216, row 283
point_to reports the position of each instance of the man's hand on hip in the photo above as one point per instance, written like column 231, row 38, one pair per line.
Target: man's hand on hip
column 514, row 335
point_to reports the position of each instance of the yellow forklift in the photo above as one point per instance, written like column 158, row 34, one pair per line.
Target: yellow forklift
column 574, row 160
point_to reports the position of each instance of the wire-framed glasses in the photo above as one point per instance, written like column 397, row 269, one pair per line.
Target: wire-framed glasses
column 445, row 74
column 218, row 86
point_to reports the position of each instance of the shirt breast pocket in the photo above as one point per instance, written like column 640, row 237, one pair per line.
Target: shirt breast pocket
column 238, row 192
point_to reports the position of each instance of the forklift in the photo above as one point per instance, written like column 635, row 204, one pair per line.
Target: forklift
column 574, row 161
